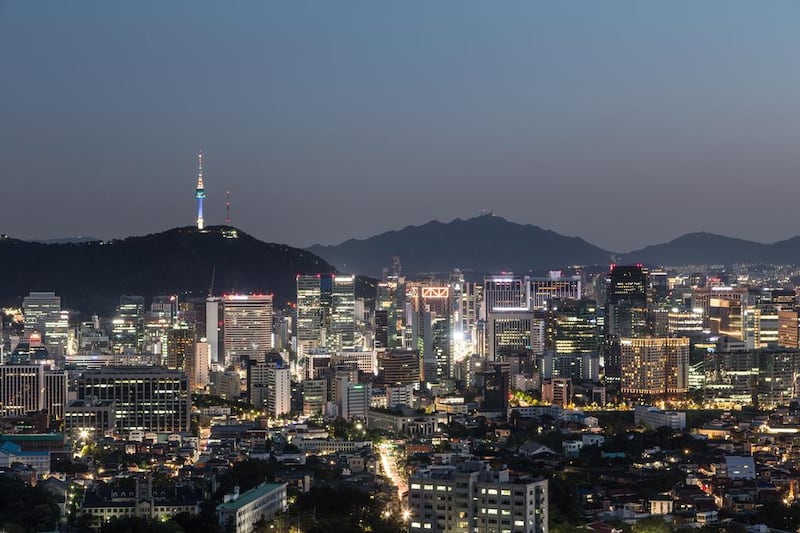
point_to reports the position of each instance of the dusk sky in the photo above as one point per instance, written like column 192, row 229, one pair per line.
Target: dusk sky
column 626, row 123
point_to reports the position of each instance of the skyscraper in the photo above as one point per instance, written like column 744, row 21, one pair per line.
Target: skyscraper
column 248, row 325
column 200, row 191
column 42, row 311
column 26, row 388
column 572, row 327
column 309, row 315
column 429, row 317
column 343, row 313
column 128, row 325
column 212, row 328
column 269, row 384
column 654, row 366
column 554, row 286
column 507, row 293
column 626, row 301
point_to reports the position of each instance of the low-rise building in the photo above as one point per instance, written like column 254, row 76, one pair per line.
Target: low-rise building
column 472, row 497
column 11, row 453
column 241, row 512
column 654, row 417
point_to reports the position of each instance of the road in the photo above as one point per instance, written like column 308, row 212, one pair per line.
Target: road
column 390, row 470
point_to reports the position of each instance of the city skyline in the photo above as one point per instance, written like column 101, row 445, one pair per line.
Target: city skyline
column 378, row 117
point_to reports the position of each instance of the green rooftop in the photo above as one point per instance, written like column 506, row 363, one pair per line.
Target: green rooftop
column 249, row 496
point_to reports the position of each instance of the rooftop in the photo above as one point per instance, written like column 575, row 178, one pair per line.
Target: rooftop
column 250, row 496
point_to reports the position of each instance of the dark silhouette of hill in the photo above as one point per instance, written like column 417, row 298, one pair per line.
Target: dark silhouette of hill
column 708, row 248
column 90, row 277
column 483, row 244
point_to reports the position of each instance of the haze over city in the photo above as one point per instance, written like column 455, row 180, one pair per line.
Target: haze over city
column 621, row 122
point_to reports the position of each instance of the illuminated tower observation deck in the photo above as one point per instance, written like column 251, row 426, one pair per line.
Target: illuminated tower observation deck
column 200, row 192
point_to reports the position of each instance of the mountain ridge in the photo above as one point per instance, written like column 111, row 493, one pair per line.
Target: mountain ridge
column 441, row 246
column 91, row 276
column 545, row 249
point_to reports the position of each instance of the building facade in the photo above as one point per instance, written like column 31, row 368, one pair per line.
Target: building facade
column 146, row 398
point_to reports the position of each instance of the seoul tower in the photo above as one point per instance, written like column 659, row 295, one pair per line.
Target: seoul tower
column 200, row 192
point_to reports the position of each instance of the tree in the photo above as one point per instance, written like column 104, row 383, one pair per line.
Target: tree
column 651, row 524
column 247, row 475
column 135, row 524
column 24, row 508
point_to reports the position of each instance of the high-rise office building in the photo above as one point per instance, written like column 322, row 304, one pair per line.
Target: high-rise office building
column 654, row 366
column 127, row 327
column 430, row 320
column 495, row 382
column 381, row 329
column 147, row 398
column 38, row 308
column 704, row 298
column 554, row 287
column 213, row 324
column 180, row 347
column 269, row 384
column 352, row 399
column 390, row 299
column 315, row 396
column 29, row 388
column 342, row 313
column 279, row 391
column 401, row 367
column 198, row 370
column 506, row 293
column 510, row 322
column 789, row 329
column 43, row 315
column 513, row 332
column 309, row 332
column 626, row 301
column 248, row 326
column 572, row 327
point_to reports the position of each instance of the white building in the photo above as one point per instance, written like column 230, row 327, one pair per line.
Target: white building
column 471, row 497
column 653, row 417
column 279, row 391
column 366, row 361
column 212, row 328
column 353, row 399
column 398, row 395
column 243, row 511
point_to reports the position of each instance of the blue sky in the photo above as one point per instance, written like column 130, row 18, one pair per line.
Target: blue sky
column 624, row 122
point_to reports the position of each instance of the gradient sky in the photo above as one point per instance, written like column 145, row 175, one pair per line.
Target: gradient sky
column 623, row 122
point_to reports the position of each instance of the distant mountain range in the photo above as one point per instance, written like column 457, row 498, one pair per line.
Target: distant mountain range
column 91, row 276
column 483, row 244
column 708, row 248
column 491, row 244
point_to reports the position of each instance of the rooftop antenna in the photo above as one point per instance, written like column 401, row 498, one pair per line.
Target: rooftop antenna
column 227, row 207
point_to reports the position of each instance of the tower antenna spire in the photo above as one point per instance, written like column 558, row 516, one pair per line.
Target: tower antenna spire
column 200, row 191
column 227, row 207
